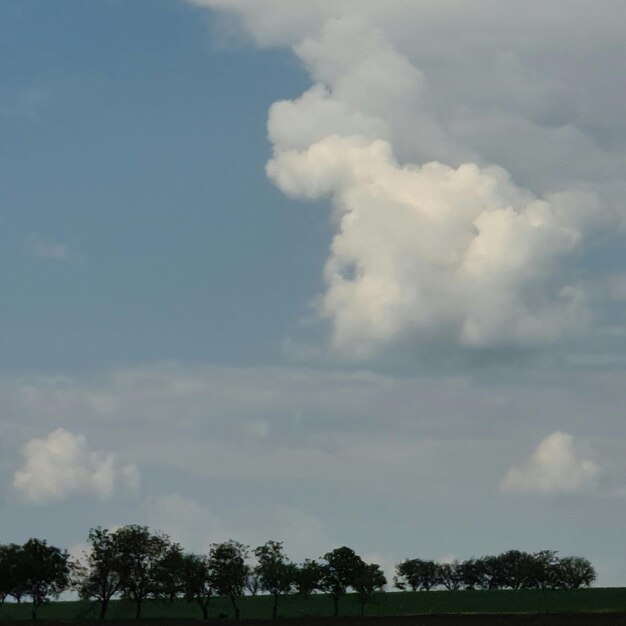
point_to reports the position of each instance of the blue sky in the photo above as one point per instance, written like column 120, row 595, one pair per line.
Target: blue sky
column 134, row 142
column 326, row 272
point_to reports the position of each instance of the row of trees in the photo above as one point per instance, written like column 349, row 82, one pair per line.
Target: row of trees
column 137, row 564
column 509, row 570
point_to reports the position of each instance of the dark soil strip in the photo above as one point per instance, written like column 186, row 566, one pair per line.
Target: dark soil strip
column 562, row 619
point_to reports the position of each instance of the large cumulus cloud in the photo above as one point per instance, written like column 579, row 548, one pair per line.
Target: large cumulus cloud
column 466, row 166
column 435, row 250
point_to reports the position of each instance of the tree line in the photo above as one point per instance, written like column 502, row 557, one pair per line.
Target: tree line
column 136, row 564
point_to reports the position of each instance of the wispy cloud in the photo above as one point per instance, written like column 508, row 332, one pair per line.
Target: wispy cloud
column 27, row 104
column 47, row 248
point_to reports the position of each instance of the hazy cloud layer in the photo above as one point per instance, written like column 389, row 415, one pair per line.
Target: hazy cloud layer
column 305, row 452
column 432, row 241
column 62, row 465
column 196, row 526
column 555, row 466
column 252, row 423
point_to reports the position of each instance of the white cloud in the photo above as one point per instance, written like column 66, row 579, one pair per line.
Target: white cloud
column 555, row 466
column 62, row 465
column 405, row 113
column 435, row 251
column 43, row 248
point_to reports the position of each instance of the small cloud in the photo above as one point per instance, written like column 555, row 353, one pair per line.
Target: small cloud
column 256, row 429
column 78, row 552
column 555, row 466
column 43, row 248
column 617, row 287
column 447, row 559
column 32, row 100
column 27, row 104
column 62, row 465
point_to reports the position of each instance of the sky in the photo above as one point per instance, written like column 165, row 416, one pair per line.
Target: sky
column 327, row 272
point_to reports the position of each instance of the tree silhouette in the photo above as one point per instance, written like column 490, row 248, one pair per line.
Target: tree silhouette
column 308, row 577
column 339, row 572
column 140, row 553
column 227, row 562
column 276, row 573
column 368, row 580
column 46, row 572
column 196, row 581
column 417, row 574
column 100, row 576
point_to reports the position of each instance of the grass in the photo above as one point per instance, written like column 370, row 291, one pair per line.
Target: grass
column 609, row 599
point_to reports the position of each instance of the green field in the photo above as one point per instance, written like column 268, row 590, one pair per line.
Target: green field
column 611, row 599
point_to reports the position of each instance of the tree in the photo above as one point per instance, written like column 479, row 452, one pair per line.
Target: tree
column 196, row 581
column 167, row 576
column 12, row 574
column 492, row 572
column 449, row 575
column 406, row 575
column 368, row 580
column 575, row 572
column 471, row 574
column 416, row 574
column 515, row 566
column 46, row 571
column 339, row 573
column 227, row 562
column 542, row 570
column 5, row 573
column 7, row 578
column 275, row 572
column 542, row 573
column 252, row 584
column 140, row 554
column 307, row 577
column 100, row 577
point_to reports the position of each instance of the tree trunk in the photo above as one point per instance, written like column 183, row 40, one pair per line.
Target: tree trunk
column 363, row 607
column 34, row 610
column 138, row 612
column 336, row 606
column 275, row 607
column 103, row 609
column 235, row 607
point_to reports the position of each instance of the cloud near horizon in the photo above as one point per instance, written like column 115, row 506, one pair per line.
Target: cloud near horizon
column 62, row 465
column 555, row 466
column 433, row 239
